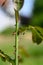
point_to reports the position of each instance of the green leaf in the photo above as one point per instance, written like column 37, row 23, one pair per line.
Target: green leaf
column 37, row 34
column 40, row 30
column 36, row 38
column 5, row 57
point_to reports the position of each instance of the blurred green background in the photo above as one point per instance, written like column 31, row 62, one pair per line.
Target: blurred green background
column 38, row 13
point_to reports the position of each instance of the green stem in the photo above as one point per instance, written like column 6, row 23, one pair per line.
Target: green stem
column 16, row 36
column 16, row 45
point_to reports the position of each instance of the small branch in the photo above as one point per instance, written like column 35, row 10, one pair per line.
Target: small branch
column 5, row 57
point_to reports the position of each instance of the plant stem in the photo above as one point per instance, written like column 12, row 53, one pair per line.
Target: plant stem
column 16, row 44
column 16, row 36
